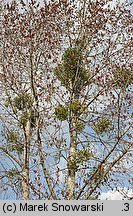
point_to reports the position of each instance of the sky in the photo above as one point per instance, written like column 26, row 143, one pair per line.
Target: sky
column 115, row 195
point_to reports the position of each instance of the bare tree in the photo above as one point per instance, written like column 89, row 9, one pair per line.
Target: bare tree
column 66, row 78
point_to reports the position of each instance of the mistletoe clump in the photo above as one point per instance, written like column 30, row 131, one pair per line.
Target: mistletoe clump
column 12, row 136
column 123, row 77
column 17, row 147
column 11, row 172
column 71, row 70
column 72, row 59
column 24, row 119
column 61, row 112
column 79, row 125
column 72, row 165
column 75, row 106
column 102, row 125
column 13, row 142
column 82, row 155
column 23, row 101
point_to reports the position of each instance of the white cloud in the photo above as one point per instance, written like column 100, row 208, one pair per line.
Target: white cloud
column 121, row 193
column 111, row 195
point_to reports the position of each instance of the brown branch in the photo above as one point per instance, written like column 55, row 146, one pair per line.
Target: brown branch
column 42, row 162
column 102, row 162
column 11, row 156
column 125, row 150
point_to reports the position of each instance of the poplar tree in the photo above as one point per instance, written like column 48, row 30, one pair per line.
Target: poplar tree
column 66, row 99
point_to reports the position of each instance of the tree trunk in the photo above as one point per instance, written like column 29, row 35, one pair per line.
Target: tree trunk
column 25, row 172
column 71, row 164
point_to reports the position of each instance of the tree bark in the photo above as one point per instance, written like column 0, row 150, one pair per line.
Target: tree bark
column 71, row 164
column 26, row 153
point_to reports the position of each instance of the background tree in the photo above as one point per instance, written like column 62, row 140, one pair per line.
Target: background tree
column 66, row 104
column 28, row 46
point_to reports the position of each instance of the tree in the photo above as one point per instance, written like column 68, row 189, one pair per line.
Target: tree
column 66, row 79
column 27, row 38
